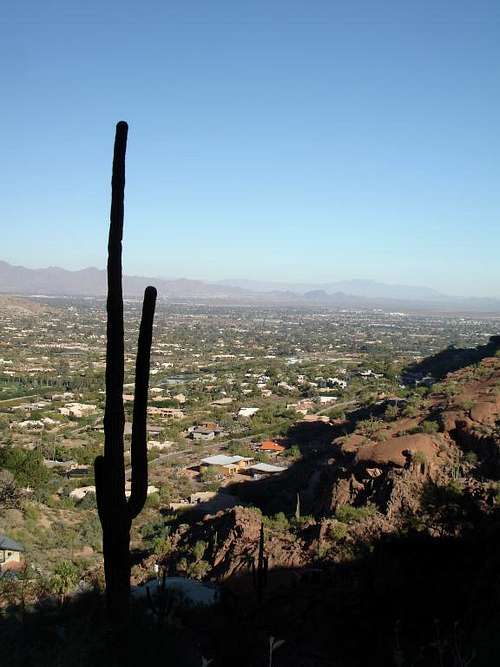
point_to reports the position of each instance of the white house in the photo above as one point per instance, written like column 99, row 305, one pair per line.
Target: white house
column 77, row 410
column 247, row 412
column 82, row 491
column 337, row 382
column 156, row 444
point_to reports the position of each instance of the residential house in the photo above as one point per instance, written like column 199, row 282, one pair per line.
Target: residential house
column 286, row 386
column 28, row 425
column 247, row 412
column 156, row 444
column 270, row 447
column 311, row 419
column 261, row 470
column 82, row 491
column 337, row 382
column 222, row 401
column 228, row 465
column 76, row 470
column 327, row 399
column 151, row 429
column 77, row 410
column 202, row 433
column 11, row 554
column 172, row 413
column 302, row 406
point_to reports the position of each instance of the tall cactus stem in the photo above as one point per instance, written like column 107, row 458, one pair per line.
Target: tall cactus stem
column 115, row 512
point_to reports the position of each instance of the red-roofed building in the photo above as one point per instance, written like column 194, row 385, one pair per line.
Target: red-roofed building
column 271, row 447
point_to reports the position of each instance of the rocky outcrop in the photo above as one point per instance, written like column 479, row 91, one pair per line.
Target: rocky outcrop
column 372, row 482
column 398, row 451
column 390, row 471
column 232, row 539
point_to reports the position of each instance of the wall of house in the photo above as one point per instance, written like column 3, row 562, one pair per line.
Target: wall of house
column 7, row 556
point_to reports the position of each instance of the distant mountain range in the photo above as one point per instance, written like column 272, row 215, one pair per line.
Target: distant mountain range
column 363, row 294
column 55, row 281
column 364, row 288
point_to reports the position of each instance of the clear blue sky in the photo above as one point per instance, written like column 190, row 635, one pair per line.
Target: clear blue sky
column 313, row 140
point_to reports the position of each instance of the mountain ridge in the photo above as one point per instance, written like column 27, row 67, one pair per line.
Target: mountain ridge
column 357, row 293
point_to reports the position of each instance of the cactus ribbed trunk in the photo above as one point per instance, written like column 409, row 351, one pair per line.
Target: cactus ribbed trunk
column 115, row 512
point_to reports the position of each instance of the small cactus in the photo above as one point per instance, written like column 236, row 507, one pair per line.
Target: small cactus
column 115, row 511
column 259, row 573
column 162, row 607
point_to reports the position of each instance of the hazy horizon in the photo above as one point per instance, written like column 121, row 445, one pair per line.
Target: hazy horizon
column 301, row 143
column 264, row 284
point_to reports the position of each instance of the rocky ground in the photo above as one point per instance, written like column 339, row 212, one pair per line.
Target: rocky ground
column 395, row 539
column 373, row 481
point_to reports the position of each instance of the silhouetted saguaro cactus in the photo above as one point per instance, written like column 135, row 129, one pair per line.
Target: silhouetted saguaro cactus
column 115, row 511
column 259, row 573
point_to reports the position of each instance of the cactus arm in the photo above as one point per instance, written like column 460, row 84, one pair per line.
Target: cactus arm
column 114, row 415
column 138, row 448
column 100, row 486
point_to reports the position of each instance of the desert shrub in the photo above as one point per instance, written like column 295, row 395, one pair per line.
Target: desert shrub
column 303, row 521
column 162, row 547
column 447, row 508
column 277, row 522
column 391, row 412
column 209, row 474
column 31, row 512
column 88, row 502
column 90, row 532
column 349, row 514
column 198, row 569
column 198, row 550
column 293, row 452
column 429, row 427
column 27, row 467
column 64, row 578
column 410, row 410
column 153, row 500
column 370, row 427
column 465, row 403
column 339, row 531
column 420, row 457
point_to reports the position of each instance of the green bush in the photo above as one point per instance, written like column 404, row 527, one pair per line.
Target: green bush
column 350, row 514
column 277, row 522
column 419, row 457
column 391, row 413
column 339, row 530
column 26, row 465
column 429, row 427
column 471, row 457
column 153, row 500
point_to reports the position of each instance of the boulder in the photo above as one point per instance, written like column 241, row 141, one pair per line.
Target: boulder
column 397, row 451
